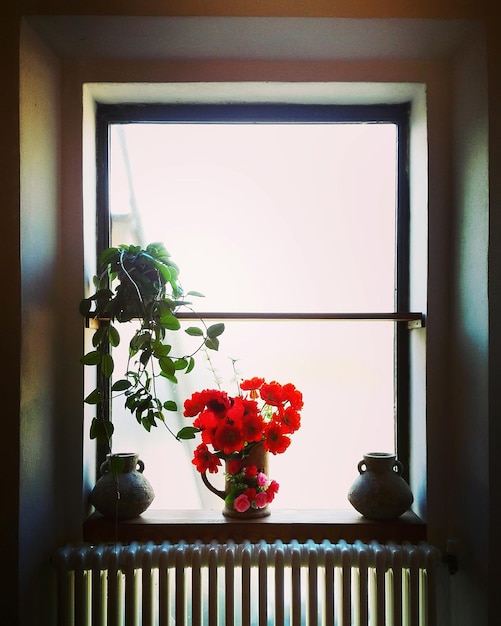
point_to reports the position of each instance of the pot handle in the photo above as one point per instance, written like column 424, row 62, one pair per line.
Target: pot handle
column 398, row 468
column 218, row 492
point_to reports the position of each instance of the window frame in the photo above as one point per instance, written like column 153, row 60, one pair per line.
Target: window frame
column 399, row 114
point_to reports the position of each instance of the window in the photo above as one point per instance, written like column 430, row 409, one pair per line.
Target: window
column 292, row 220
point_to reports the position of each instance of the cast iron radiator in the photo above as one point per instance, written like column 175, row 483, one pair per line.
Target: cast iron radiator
column 247, row 584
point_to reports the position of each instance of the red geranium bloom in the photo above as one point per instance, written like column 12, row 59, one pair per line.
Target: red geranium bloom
column 233, row 466
column 272, row 490
column 236, row 412
column 251, row 384
column 205, row 460
column 228, row 438
column 217, row 401
column 195, row 404
column 250, row 492
column 252, row 428
column 272, row 393
column 250, row 471
column 293, row 395
column 275, row 441
column 291, row 420
column 206, row 419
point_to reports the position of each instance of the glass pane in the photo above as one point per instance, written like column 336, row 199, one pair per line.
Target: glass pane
column 343, row 369
column 264, row 217
column 271, row 218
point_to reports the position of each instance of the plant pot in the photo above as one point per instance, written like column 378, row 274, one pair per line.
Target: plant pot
column 380, row 492
column 122, row 492
column 257, row 457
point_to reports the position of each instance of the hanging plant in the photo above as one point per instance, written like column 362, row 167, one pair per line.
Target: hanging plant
column 139, row 286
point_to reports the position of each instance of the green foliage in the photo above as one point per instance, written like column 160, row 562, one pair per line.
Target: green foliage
column 141, row 286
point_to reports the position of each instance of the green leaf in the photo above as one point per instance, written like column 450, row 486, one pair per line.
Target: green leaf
column 145, row 357
column 85, row 306
column 170, row 405
column 195, row 293
column 191, row 365
column 107, row 365
column 91, row 358
column 170, row 322
column 215, row 330
column 170, row 377
column 99, row 336
column 93, row 398
column 188, row 432
column 146, row 423
column 113, row 336
column 212, row 343
column 102, row 430
column 121, row 385
column 161, row 349
column 180, row 364
column 167, row 366
column 193, row 331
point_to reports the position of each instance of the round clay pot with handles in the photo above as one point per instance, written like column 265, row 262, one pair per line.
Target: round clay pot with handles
column 380, row 492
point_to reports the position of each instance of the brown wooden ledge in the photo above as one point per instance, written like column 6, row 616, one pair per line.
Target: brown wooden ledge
column 317, row 525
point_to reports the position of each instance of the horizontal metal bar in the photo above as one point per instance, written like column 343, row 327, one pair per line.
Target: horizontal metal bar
column 414, row 320
column 391, row 317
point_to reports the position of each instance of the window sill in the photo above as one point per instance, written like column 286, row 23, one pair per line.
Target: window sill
column 286, row 525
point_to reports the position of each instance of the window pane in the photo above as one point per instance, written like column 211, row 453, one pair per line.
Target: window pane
column 271, row 218
column 344, row 370
column 267, row 217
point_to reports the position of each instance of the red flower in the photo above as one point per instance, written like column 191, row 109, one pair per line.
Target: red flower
column 294, row 396
column 275, row 441
column 252, row 428
column 217, row 401
column 250, row 492
column 195, row 404
column 250, row 471
column 233, row 466
column 272, row 393
column 272, row 490
column 291, row 420
column 251, row 384
column 228, row 438
column 205, row 460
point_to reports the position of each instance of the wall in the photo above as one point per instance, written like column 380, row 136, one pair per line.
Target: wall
column 467, row 517
column 39, row 175
column 48, row 398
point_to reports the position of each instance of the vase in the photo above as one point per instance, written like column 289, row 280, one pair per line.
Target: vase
column 380, row 492
column 122, row 492
column 258, row 457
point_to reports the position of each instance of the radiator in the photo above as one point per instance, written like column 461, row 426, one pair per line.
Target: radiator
column 247, row 584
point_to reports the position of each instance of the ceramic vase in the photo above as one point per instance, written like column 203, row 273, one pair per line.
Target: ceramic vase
column 257, row 457
column 380, row 492
column 122, row 492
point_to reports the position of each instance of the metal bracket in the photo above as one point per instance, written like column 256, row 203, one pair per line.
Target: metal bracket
column 413, row 324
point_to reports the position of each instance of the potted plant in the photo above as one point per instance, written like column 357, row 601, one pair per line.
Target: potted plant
column 241, row 431
column 139, row 286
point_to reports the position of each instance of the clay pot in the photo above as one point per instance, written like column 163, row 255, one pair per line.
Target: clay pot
column 380, row 492
column 122, row 492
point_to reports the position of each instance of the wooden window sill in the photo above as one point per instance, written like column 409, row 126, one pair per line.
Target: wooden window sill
column 286, row 525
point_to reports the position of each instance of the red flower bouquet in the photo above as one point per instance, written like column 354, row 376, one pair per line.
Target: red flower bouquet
column 234, row 429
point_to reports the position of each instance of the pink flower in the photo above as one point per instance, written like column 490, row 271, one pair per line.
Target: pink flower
column 261, row 499
column 262, row 479
column 241, row 503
